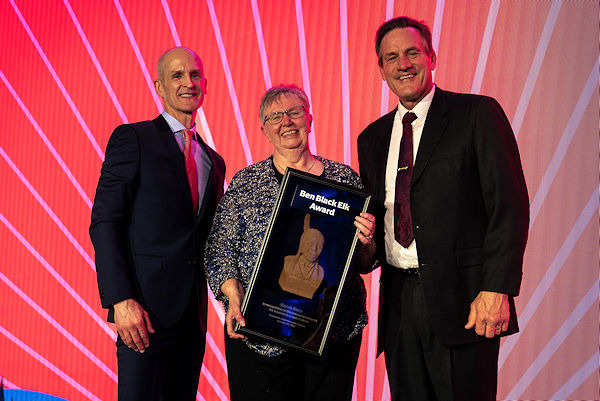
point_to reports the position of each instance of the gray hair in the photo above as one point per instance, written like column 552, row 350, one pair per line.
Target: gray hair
column 275, row 94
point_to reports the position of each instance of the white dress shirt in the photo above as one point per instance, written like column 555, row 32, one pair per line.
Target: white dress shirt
column 396, row 254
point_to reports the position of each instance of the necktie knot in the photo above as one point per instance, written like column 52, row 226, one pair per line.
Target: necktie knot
column 409, row 118
column 188, row 134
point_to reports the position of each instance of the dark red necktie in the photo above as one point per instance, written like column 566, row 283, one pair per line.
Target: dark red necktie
column 190, row 166
column 403, row 231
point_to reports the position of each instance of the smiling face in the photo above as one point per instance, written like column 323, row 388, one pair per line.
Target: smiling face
column 406, row 65
column 181, row 83
column 289, row 134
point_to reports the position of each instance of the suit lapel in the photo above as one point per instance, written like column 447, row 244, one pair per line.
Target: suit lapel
column 211, row 180
column 435, row 124
column 381, row 150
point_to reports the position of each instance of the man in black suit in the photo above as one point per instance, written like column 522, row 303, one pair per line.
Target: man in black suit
column 156, row 198
column 451, row 250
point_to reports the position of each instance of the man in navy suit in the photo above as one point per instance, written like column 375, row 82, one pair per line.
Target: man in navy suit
column 149, row 224
column 452, row 263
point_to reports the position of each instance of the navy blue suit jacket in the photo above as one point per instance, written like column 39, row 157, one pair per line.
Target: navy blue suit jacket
column 149, row 243
column 469, row 206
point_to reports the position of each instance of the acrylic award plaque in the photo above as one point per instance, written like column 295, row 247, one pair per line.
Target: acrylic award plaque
column 304, row 262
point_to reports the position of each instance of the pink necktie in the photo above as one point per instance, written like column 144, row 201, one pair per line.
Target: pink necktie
column 403, row 231
column 190, row 167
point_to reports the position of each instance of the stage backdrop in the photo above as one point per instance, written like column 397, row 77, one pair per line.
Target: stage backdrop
column 72, row 70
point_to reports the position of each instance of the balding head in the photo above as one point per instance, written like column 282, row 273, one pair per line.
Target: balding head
column 181, row 84
column 168, row 55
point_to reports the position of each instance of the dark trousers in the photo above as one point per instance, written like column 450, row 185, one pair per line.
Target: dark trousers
column 419, row 366
column 292, row 376
column 169, row 369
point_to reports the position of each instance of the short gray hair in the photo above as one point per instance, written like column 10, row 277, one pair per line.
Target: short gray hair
column 276, row 92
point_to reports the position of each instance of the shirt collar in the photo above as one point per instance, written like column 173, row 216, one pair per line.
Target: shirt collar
column 420, row 108
column 174, row 124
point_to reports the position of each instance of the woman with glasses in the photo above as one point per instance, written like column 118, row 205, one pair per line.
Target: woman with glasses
column 260, row 370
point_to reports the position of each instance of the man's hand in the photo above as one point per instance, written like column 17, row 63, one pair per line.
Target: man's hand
column 489, row 314
column 133, row 324
column 233, row 290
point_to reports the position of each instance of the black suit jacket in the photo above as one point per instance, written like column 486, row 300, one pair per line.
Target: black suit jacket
column 148, row 241
column 469, row 207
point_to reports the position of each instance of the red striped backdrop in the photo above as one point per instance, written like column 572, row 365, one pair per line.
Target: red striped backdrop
column 71, row 70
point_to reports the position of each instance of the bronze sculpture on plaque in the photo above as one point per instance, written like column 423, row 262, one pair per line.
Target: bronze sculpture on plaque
column 302, row 275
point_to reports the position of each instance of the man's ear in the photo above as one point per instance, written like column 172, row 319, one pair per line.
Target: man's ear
column 381, row 72
column 158, row 87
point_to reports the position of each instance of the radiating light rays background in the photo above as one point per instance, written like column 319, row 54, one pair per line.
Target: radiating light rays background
column 72, row 70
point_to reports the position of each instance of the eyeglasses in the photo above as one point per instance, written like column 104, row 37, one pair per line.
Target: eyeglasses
column 277, row 117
